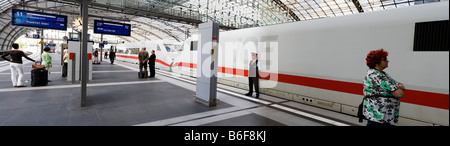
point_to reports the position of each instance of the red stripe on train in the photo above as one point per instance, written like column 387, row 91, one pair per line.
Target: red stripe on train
column 184, row 64
column 430, row 99
column 137, row 58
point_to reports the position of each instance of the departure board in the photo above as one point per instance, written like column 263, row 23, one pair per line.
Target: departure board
column 38, row 19
column 113, row 28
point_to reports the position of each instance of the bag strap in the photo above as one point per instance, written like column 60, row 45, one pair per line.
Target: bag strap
column 370, row 96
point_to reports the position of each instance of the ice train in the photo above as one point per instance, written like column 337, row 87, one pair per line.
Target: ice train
column 322, row 62
column 166, row 51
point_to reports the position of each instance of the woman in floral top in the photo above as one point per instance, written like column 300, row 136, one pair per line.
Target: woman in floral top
column 382, row 93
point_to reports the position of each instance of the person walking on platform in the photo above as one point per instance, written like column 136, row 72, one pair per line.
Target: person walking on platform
column 151, row 63
column 106, row 54
column 96, row 55
column 143, row 58
column 382, row 93
column 253, row 75
column 66, row 62
column 47, row 59
column 112, row 56
column 16, row 64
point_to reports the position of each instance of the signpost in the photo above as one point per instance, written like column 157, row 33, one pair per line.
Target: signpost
column 113, row 28
column 38, row 19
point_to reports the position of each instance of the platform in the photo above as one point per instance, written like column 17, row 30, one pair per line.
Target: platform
column 116, row 97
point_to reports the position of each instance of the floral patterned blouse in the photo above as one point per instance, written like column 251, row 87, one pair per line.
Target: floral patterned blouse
column 46, row 60
column 377, row 107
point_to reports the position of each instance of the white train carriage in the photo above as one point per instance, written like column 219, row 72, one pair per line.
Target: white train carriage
column 186, row 61
column 322, row 62
column 166, row 51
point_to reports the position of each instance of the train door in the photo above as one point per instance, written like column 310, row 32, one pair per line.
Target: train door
column 192, row 57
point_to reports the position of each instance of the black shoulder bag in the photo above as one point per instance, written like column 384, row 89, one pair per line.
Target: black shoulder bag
column 361, row 106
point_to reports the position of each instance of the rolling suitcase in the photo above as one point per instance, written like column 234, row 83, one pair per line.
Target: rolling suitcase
column 39, row 77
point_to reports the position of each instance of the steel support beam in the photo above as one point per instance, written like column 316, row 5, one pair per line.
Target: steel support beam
column 159, row 29
column 144, row 13
column 7, row 25
column 139, row 34
column 172, row 26
column 358, row 6
column 14, row 36
column 134, row 38
column 84, row 50
column 284, row 7
column 124, row 38
column 151, row 33
column 6, row 38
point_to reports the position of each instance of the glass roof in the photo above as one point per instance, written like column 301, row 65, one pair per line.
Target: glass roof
column 312, row 9
column 5, row 5
column 178, row 19
column 253, row 13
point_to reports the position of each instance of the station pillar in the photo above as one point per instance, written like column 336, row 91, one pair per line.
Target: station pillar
column 208, row 48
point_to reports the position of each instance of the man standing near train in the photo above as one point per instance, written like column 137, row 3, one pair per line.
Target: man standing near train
column 253, row 75
column 151, row 63
column 143, row 58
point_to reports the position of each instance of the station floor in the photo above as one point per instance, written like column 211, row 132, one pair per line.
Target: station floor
column 116, row 97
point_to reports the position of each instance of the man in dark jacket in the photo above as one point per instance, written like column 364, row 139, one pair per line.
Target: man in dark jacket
column 151, row 63
column 112, row 56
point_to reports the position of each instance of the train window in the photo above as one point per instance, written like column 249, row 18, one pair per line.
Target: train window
column 133, row 50
column 167, row 48
column 172, row 47
column 194, row 45
column 431, row 36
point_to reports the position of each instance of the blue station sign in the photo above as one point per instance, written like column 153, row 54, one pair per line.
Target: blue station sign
column 113, row 28
column 38, row 19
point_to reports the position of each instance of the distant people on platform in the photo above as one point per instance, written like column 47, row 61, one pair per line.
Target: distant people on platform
column 151, row 63
column 66, row 62
column 16, row 64
column 112, row 56
column 143, row 58
column 47, row 59
column 253, row 75
column 96, row 55
column 382, row 93
column 106, row 54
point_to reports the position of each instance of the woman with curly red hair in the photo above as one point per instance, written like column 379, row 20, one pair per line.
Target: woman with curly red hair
column 382, row 93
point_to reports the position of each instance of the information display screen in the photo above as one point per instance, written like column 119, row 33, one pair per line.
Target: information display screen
column 38, row 19
column 113, row 28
